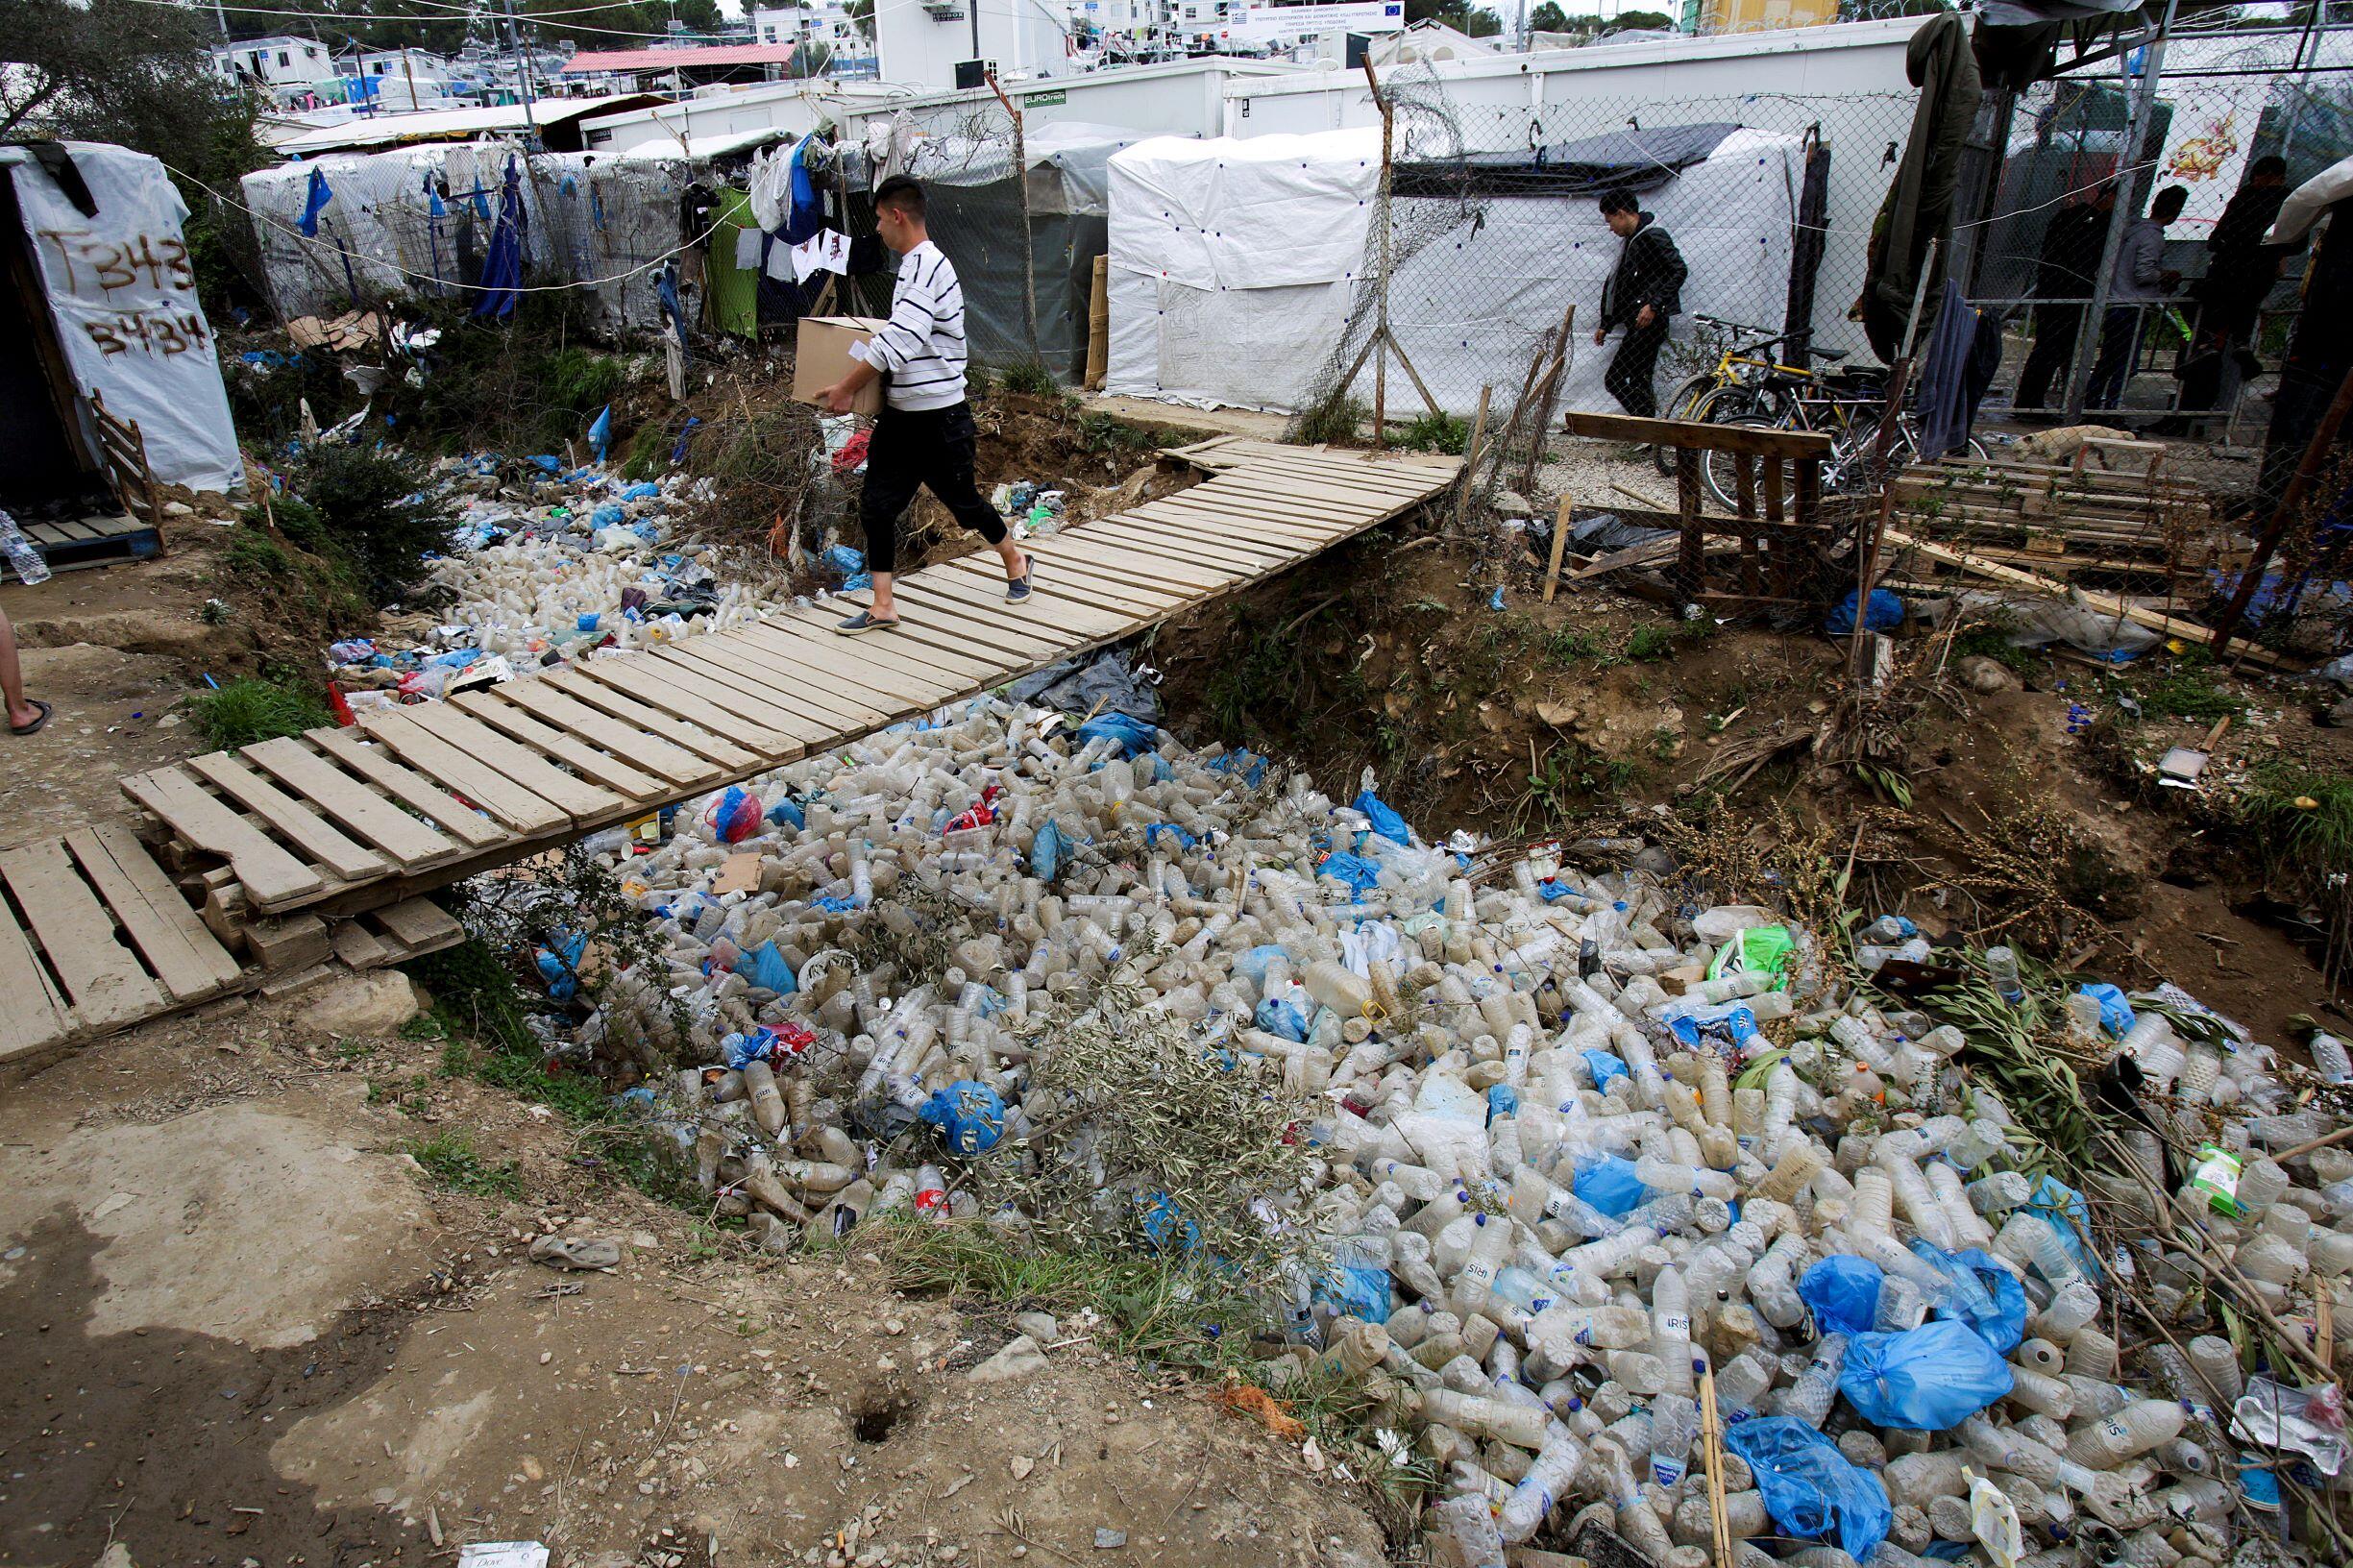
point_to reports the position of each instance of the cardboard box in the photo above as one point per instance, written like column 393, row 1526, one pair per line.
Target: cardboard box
column 820, row 358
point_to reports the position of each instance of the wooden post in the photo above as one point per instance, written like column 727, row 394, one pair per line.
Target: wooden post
column 2290, row 502
column 1691, row 561
column 1784, row 562
column 1381, row 277
column 1029, row 260
column 1744, row 492
column 1098, row 325
column 1548, row 391
column 1560, row 538
column 1712, row 1449
column 1470, row 467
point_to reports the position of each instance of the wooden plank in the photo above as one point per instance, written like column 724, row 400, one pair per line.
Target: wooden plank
column 1309, row 494
column 931, row 637
column 675, row 763
column 778, row 683
column 590, row 762
column 293, row 820
column 1560, row 539
column 272, row 878
column 575, row 795
column 1109, row 583
column 1114, row 552
column 898, row 689
column 978, row 627
column 1056, row 580
column 1274, row 520
column 1385, row 478
column 719, row 750
column 105, row 980
column 1697, row 436
column 420, row 924
column 412, row 789
column 186, row 956
column 472, row 778
column 2099, row 603
column 741, row 698
column 36, row 1016
column 352, row 803
column 1195, row 540
column 909, row 669
column 1042, row 617
column 657, row 690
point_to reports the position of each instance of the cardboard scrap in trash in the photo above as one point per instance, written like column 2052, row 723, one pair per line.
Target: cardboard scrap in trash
column 352, row 330
column 502, row 1555
column 740, row 874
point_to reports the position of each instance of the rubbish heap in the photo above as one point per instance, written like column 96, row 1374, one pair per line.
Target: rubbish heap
column 1631, row 1215
column 581, row 564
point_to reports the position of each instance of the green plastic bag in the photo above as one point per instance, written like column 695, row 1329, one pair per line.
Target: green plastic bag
column 1766, row 949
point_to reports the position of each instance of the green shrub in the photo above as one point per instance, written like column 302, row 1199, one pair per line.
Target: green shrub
column 1335, row 421
column 1435, row 432
column 252, row 552
column 380, row 510
column 245, row 711
column 1031, row 377
column 452, row 1160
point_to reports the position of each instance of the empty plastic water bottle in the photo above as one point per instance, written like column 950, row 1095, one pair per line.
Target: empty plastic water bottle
column 23, row 557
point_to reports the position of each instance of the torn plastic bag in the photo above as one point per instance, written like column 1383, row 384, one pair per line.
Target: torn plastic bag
column 766, row 966
column 1104, row 683
column 1811, row 1489
column 1927, row 1379
column 1385, row 820
column 970, row 1115
column 1135, row 737
column 1986, row 1296
column 1046, row 852
column 1843, row 1294
column 1609, row 1183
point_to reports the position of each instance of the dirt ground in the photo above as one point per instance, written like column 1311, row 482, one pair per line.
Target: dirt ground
column 245, row 1327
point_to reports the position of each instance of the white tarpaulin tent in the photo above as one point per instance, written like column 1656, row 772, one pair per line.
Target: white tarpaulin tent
column 122, row 296
column 1234, row 264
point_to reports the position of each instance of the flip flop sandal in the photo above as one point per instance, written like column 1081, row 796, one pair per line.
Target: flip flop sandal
column 35, row 724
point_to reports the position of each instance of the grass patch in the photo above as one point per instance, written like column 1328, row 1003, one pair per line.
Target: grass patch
column 1433, row 432
column 1566, row 645
column 1655, row 641
column 1266, row 679
column 252, row 553
column 452, row 1160
column 478, row 1015
column 1031, row 377
column 2321, row 834
column 2187, row 690
column 1337, row 420
column 247, row 710
column 1116, row 436
column 1992, row 641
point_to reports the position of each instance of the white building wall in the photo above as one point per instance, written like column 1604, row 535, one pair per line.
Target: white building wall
column 921, row 49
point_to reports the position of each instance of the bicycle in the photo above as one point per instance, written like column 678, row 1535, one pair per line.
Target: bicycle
column 1736, row 383
column 1848, row 407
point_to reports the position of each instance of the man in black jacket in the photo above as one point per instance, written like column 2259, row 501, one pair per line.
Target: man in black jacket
column 1644, row 290
column 2069, row 259
column 2240, row 272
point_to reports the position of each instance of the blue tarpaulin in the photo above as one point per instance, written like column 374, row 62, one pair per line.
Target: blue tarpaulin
column 502, row 262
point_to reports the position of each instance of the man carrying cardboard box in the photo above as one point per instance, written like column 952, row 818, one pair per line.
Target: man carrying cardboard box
column 924, row 435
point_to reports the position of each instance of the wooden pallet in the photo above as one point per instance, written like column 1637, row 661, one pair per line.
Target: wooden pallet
column 84, row 542
column 341, row 820
column 94, row 937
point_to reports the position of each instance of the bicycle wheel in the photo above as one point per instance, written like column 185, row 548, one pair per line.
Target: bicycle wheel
column 1717, row 468
column 1686, row 395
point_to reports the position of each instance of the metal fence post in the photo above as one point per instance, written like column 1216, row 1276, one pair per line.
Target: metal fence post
column 2093, row 325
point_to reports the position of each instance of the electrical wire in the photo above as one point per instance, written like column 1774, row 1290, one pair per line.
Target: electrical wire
column 340, row 253
column 456, row 10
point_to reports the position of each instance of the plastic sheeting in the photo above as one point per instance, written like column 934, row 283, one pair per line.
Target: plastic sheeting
column 123, row 296
column 1235, row 266
column 418, row 221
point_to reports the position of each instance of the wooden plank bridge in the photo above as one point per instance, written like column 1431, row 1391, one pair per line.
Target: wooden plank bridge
column 361, row 820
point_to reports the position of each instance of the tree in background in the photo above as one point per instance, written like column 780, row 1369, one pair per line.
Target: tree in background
column 1547, row 17
column 137, row 75
column 1457, row 14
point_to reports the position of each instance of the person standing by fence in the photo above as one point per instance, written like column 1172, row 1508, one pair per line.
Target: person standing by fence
column 2062, row 275
column 925, row 437
column 2240, row 272
column 1645, row 289
column 2138, row 284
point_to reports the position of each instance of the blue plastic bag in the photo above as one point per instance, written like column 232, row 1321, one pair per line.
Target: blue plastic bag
column 788, row 810
column 1253, row 963
column 1609, row 1183
column 1045, row 852
column 559, row 963
column 735, row 815
column 1354, row 869
column 1503, row 1100
column 1886, row 614
column 1928, row 1378
column 844, row 559
column 765, row 966
column 1843, row 1294
column 970, row 1115
column 1134, row 737
column 1605, row 1067
column 1277, row 1015
column 608, row 516
column 1386, row 820
column 601, row 432
column 2116, row 1013
column 1357, row 1290
column 1811, row 1489
column 1986, row 1296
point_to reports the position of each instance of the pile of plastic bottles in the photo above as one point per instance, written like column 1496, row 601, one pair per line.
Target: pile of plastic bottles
column 584, row 566
column 1594, row 1161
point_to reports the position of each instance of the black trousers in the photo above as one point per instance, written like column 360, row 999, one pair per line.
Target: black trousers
column 1632, row 376
column 930, row 448
column 2054, row 345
